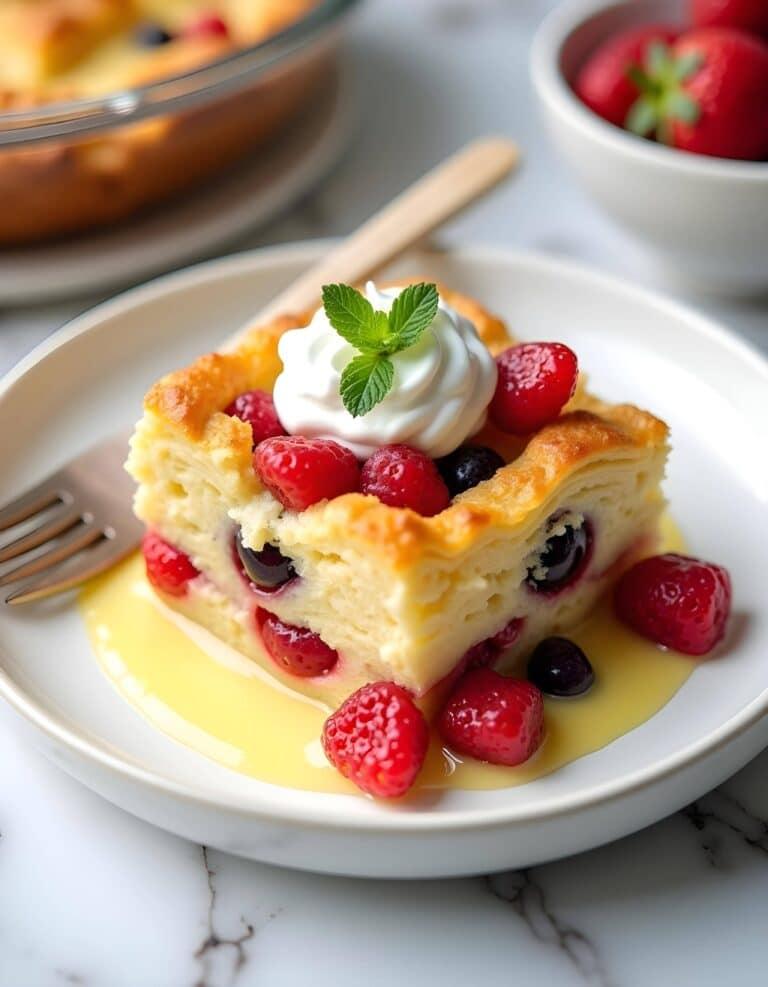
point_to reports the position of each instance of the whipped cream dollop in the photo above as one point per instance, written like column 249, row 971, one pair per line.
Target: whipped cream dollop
column 441, row 390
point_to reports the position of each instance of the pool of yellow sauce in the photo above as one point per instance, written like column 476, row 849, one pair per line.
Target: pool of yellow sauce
column 224, row 706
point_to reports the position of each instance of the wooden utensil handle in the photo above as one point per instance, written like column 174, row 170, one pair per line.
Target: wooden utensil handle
column 409, row 218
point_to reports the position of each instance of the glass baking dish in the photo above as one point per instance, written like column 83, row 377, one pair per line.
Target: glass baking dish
column 68, row 168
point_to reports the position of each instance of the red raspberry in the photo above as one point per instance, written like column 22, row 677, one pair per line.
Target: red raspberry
column 535, row 381
column 206, row 25
column 404, row 477
column 296, row 649
column 493, row 718
column 168, row 569
column 299, row 471
column 676, row 601
column 378, row 739
column 257, row 408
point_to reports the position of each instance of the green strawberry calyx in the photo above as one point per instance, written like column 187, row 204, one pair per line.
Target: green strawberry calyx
column 663, row 99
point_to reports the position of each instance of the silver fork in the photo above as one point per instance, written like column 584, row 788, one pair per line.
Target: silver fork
column 72, row 526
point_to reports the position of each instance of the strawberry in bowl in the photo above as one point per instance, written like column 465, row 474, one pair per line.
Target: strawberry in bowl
column 694, row 187
column 703, row 91
column 605, row 83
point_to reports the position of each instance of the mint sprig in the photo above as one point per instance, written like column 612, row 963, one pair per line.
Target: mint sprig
column 368, row 378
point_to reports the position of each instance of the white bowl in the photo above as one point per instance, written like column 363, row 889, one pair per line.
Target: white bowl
column 709, row 386
column 705, row 218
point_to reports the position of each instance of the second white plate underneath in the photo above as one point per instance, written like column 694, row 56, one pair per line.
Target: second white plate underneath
column 247, row 197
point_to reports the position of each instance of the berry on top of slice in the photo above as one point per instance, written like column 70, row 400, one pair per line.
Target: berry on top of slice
column 745, row 15
column 467, row 466
column 378, row 739
column 401, row 476
column 257, row 409
column 168, row 569
column 493, row 718
column 604, row 82
column 300, row 472
column 676, row 601
column 535, row 381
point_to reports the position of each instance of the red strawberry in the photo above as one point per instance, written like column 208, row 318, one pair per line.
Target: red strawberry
column 378, row 739
column 603, row 83
column 707, row 94
column 493, row 718
column 676, row 601
column 746, row 15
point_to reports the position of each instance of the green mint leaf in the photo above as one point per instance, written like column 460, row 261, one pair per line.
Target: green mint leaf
column 643, row 118
column 412, row 312
column 365, row 381
column 353, row 317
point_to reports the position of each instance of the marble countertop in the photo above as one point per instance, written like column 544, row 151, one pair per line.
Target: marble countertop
column 90, row 896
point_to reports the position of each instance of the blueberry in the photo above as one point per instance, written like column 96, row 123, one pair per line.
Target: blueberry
column 468, row 466
column 562, row 558
column 151, row 35
column 560, row 668
column 268, row 569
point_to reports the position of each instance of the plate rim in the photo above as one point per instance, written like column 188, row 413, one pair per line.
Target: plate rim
column 328, row 816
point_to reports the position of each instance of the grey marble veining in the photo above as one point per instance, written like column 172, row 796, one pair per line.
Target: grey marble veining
column 90, row 896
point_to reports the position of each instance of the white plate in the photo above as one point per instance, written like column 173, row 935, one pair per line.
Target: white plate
column 180, row 232
column 90, row 378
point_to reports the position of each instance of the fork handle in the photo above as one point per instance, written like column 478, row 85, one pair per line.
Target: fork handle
column 416, row 212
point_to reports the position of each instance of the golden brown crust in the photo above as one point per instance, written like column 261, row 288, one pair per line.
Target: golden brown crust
column 190, row 402
column 503, row 502
column 189, row 398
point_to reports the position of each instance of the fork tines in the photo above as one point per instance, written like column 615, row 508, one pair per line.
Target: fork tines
column 73, row 525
